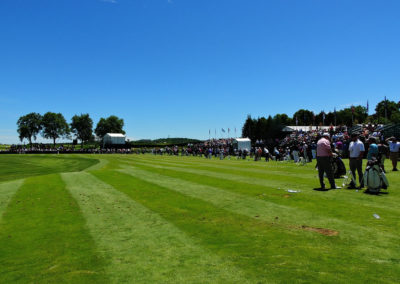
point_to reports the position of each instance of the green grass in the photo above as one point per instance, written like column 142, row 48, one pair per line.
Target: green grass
column 147, row 219
column 14, row 167
column 44, row 238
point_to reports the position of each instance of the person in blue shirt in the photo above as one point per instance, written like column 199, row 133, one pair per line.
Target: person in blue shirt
column 373, row 149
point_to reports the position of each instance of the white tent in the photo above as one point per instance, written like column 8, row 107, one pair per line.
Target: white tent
column 242, row 143
column 114, row 139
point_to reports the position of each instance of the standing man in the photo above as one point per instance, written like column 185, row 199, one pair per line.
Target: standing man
column 324, row 155
column 356, row 153
column 394, row 148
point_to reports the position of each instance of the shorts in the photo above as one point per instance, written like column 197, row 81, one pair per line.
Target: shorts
column 394, row 156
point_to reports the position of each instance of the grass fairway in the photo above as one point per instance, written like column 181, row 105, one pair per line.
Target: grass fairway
column 147, row 219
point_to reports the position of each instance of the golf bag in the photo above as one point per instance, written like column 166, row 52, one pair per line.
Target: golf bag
column 338, row 167
column 374, row 177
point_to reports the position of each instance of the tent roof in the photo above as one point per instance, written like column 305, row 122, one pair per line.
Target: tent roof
column 116, row 135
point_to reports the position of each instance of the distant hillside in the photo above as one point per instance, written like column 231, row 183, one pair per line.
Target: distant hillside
column 163, row 142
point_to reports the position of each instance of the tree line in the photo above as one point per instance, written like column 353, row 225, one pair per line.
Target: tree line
column 54, row 126
column 263, row 128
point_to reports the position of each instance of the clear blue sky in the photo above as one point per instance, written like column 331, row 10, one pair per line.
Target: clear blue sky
column 181, row 67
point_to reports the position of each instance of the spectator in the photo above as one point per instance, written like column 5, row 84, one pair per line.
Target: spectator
column 356, row 153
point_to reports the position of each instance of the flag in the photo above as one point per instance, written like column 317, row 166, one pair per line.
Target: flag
column 352, row 109
column 297, row 121
column 209, row 131
column 228, row 130
column 323, row 114
column 367, row 106
column 223, row 130
column 334, row 110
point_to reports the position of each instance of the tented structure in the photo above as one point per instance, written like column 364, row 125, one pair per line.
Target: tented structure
column 242, row 144
column 114, row 139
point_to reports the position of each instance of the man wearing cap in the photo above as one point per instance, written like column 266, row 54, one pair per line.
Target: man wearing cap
column 324, row 154
column 356, row 153
column 394, row 147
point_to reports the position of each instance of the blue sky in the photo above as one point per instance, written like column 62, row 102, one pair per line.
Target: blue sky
column 181, row 67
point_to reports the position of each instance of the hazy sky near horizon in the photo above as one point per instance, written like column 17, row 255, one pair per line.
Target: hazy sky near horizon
column 181, row 67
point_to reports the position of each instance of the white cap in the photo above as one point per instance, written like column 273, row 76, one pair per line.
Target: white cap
column 326, row 134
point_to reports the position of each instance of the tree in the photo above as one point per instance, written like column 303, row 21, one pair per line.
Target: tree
column 392, row 109
column 54, row 126
column 282, row 119
column 111, row 124
column 304, row 117
column 82, row 127
column 249, row 128
column 29, row 126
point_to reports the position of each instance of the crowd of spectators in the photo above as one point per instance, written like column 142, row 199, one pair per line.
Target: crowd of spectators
column 297, row 146
column 62, row 149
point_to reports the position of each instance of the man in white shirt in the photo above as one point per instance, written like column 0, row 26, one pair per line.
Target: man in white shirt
column 394, row 147
column 356, row 153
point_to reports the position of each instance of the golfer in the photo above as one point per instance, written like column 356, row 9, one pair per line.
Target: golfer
column 324, row 156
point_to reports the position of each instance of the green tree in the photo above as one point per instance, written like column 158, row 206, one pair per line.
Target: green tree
column 249, row 128
column 304, row 117
column 29, row 126
column 54, row 126
column 111, row 124
column 82, row 127
column 392, row 109
column 352, row 115
column 283, row 119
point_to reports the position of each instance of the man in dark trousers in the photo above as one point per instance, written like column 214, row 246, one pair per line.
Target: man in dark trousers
column 324, row 156
column 356, row 154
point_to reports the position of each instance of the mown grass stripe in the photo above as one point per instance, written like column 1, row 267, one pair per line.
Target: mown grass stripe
column 336, row 204
column 20, row 166
column 44, row 239
column 142, row 247
column 259, row 246
column 226, row 165
column 231, row 201
column 236, row 164
column 7, row 190
column 235, row 176
column 265, row 210
column 272, row 181
column 247, row 242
